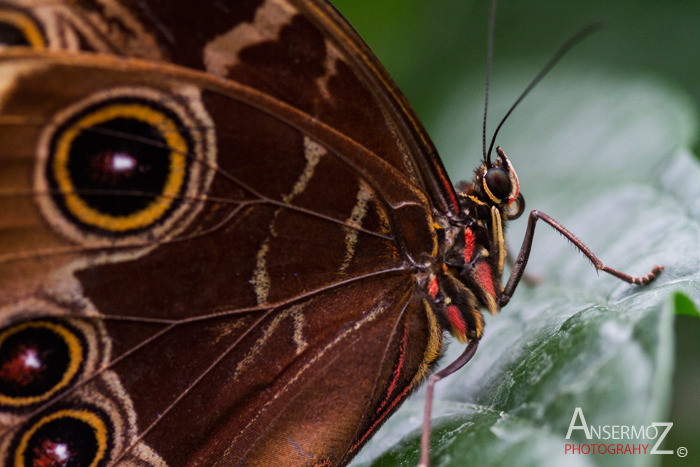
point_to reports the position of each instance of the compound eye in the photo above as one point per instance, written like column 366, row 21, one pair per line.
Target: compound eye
column 497, row 184
column 515, row 208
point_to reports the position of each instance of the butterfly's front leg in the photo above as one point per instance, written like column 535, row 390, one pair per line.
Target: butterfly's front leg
column 521, row 261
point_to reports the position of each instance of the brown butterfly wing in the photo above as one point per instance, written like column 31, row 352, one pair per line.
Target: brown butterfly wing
column 282, row 227
column 253, row 256
column 302, row 52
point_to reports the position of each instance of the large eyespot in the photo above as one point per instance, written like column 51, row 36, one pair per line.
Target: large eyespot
column 515, row 208
column 497, row 184
column 119, row 167
column 65, row 437
column 124, row 164
column 37, row 360
column 18, row 29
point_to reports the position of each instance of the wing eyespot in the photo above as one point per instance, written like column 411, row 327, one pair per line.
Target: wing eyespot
column 116, row 184
column 75, row 436
column 18, row 29
column 38, row 359
column 124, row 165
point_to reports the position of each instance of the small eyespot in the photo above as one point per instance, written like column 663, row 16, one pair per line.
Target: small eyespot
column 515, row 208
column 37, row 360
column 19, row 30
column 65, row 437
column 497, row 183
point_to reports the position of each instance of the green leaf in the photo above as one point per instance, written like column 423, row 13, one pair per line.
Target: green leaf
column 607, row 155
column 684, row 305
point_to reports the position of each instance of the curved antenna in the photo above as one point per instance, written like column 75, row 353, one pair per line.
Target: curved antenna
column 563, row 49
column 489, row 62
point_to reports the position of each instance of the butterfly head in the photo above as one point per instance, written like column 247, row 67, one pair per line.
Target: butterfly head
column 496, row 184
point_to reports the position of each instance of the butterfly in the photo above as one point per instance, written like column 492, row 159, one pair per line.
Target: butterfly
column 225, row 236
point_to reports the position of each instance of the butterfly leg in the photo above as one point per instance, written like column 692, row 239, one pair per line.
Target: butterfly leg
column 529, row 279
column 427, row 413
column 521, row 261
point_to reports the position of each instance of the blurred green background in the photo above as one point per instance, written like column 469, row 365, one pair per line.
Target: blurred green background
column 433, row 47
column 429, row 45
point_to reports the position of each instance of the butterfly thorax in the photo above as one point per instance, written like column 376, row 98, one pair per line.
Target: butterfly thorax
column 473, row 249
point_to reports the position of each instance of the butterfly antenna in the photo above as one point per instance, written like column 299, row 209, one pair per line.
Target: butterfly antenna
column 563, row 49
column 489, row 62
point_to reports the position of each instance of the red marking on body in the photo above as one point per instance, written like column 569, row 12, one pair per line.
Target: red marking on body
column 454, row 316
column 23, row 366
column 483, row 276
column 433, row 287
column 469, row 239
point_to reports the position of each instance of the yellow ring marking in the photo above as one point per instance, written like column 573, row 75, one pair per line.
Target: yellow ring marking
column 75, row 355
column 148, row 215
column 26, row 25
column 92, row 419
